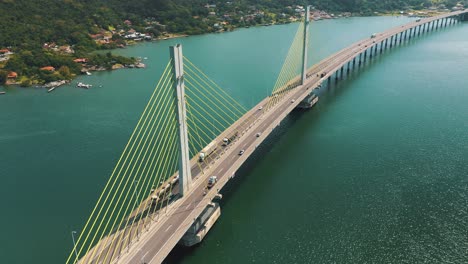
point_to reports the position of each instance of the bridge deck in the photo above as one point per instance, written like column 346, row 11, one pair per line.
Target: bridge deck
column 162, row 235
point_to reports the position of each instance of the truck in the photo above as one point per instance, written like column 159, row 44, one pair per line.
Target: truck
column 227, row 141
column 207, row 151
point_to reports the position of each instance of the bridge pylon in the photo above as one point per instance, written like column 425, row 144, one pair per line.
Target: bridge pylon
column 185, row 176
column 305, row 45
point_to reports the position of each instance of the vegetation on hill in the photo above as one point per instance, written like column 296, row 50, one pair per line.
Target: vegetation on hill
column 55, row 32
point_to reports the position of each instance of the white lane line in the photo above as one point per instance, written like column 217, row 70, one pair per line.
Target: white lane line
column 168, row 228
column 186, row 207
column 221, row 170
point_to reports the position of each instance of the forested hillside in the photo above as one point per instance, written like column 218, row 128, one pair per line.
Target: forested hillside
column 40, row 33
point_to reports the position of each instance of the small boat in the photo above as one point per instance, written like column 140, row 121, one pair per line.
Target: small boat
column 51, row 89
column 2, row 92
column 88, row 73
column 83, row 85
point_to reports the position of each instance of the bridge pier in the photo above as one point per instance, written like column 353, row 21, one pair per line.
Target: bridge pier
column 308, row 102
column 201, row 225
column 391, row 42
column 401, row 38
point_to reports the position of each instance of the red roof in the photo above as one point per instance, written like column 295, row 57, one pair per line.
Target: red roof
column 48, row 68
column 12, row 75
column 4, row 50
column 80, row 60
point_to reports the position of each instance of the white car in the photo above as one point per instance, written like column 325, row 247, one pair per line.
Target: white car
column 258, row 134
column 260, row 108
column 241, row 152
column 211, row 181
column 293, row 100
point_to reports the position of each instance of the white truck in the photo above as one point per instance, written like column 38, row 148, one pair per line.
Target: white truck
column 207, row 151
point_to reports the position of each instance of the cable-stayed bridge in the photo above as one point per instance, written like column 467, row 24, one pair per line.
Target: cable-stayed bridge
column 161, row 191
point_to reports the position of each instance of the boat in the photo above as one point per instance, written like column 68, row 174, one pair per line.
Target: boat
column 2, row 92
column 51, row 89
column 83, row 85
column 88, row 73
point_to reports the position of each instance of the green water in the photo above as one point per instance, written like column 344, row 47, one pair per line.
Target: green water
column 377, row 172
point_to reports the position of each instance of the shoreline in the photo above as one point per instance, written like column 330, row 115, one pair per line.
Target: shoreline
column 86, row 71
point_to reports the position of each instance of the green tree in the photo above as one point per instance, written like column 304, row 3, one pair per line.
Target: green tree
column 3, row 77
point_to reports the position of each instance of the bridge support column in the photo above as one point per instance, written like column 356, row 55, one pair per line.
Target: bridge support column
column 386, row 42
column 381, row 47
column 305, row 45
column 185, row 176
column 401, row 37
column 365, row 55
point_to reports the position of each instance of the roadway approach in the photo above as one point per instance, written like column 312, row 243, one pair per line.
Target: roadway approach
column 162, row 235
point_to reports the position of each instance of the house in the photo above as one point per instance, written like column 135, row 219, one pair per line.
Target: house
column 12, row 75
column 3, row 51
column 128, row 22
column 80, row 60
column 47, row 68
column 66, row 49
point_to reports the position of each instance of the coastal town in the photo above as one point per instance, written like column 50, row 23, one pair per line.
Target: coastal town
column 127, row 33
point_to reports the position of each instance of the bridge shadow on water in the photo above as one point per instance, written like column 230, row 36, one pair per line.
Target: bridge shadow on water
column 330, row 92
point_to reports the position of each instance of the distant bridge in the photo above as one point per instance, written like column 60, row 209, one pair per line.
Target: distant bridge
column 157, row 195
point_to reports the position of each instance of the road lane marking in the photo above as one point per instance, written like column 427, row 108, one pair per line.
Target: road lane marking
column 168, row 228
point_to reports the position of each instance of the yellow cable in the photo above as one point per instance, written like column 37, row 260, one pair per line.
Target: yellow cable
column 166, row 130
column 125, row 172
column 188, row 77
column 189, row 73
column 212, row 103
column 207, row 113
column 201, row 72
column 112, row 174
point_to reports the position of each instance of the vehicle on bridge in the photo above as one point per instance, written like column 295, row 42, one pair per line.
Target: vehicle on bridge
column 241, row 152
column 373, row 35
column 207, row 151
column 227, row 141
column 212, row 181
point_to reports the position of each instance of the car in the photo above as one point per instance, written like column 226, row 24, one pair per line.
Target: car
column 241, row 152
column 258, row 134
column 260, row 108
column 293, row 100
column 212, row 181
